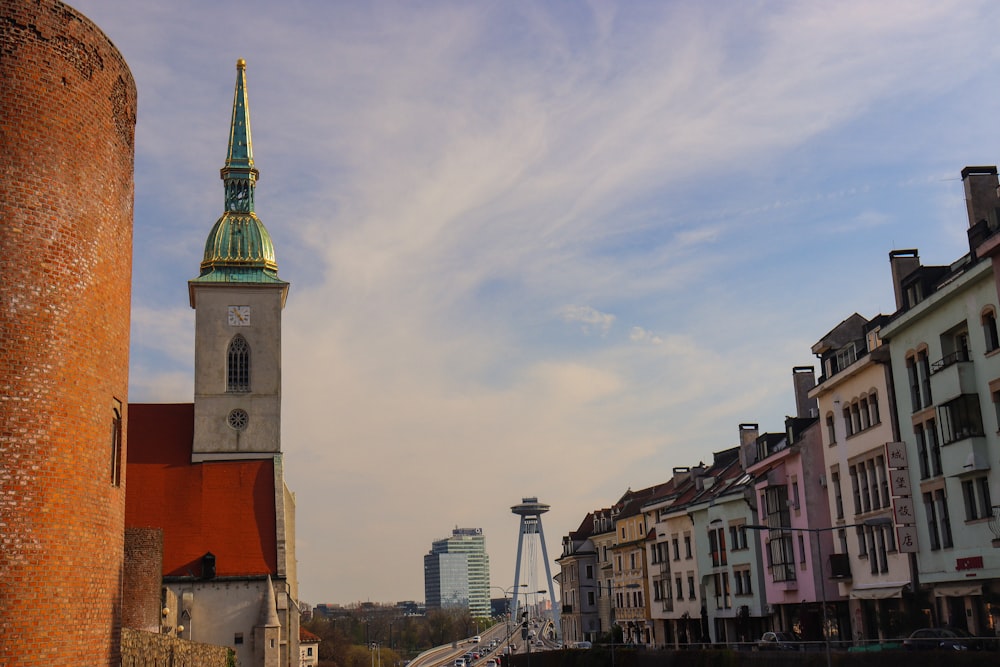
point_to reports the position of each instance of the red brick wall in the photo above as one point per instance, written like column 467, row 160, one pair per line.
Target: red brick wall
column 143, row 579
column 67, row 121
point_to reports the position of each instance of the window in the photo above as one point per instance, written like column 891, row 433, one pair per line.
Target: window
column 848, row 423
column 738, row 537
column 590, row 571
column 717, row 546
column 802, row 548
column 846, row 356
column 831, row 432
column 918, row 371
column 934, row 446
column 976, row 493
column 989, row 319
column 941, row 500
column 938, row 521
column 691, row 591
column 741, row 582
column 875, row 416
column 838, row 497
column 879, row 542
column 856, row 489
column 922, row 455
column 116, row 442
column 677, row 548
column 961, row 418
column 914, row 383
column 687, row 546
column 780, row 556
column 722, row 596
column 590, row 598
column 995, row 395
column 932, row 523
column 924, row 371
column 238, row 367
column 680, row 588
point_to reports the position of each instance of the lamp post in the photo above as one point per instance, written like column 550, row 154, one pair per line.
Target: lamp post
column 880, row 521
column 506, row 593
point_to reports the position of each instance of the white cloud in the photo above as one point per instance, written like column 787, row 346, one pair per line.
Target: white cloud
column 589, row 318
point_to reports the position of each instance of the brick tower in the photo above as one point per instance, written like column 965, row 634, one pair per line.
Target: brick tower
column 67, row 122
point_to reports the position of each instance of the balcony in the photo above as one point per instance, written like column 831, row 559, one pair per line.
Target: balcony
column 953, row 375
column 840, row 566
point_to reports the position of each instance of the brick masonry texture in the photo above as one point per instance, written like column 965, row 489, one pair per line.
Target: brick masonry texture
column 143, row 579
column 67, row 121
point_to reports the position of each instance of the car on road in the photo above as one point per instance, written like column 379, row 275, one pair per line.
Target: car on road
column 460, row 662
column 947, row 639
column 778, row 641
column 491, row 663
column 583, row 645
column 476, row 639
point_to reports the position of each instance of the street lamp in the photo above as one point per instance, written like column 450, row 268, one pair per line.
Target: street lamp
column 879, row 521
column 506, row 593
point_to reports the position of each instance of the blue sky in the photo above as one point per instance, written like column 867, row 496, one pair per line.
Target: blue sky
column 548, row 248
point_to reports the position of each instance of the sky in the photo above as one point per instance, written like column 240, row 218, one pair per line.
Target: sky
column 549, row 249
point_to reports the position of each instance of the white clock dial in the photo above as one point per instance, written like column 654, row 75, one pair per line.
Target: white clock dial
column 239, row 316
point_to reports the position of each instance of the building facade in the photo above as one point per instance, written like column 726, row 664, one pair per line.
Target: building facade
column 457, row 572
column 67, row 123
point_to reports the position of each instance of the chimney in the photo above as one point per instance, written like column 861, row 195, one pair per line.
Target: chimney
column 804, row 379
column 902, row 263
column 748, row 444
column 981, row 194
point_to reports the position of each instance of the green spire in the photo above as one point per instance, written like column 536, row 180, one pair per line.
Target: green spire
column 239, row 173
column 238, row 248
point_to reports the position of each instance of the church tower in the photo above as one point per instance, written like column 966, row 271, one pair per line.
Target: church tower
column 238, row 299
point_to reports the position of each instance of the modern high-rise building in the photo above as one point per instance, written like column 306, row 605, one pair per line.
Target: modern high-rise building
column 457, row 572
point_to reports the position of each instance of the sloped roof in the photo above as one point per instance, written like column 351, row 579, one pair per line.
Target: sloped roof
column 307, row 637
column 223, row 507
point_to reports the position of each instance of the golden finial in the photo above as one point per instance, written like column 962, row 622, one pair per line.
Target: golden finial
column 241, row 64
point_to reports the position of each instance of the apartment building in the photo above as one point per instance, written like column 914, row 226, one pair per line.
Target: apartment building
column 858, row 416
column 945, row 357
column 578, row 584
column 727, row 557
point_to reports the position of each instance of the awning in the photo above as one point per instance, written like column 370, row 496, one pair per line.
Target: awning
column 877, row 593
column 957, row 590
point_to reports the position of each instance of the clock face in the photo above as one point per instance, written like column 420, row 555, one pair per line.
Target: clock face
column 239, row 316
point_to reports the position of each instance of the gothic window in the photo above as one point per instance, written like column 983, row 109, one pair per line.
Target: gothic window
column 238, row 365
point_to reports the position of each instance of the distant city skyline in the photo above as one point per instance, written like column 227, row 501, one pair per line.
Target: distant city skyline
column 539, row 249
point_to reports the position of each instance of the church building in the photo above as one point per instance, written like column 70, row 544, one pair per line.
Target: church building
column 210, row 475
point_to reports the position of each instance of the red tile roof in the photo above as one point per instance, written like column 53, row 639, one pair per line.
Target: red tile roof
column 223, row 507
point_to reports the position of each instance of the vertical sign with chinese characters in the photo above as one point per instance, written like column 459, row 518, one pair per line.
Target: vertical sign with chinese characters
column 902, row 502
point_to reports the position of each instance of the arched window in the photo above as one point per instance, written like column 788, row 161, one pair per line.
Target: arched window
column 990, row 330
column 238, row 365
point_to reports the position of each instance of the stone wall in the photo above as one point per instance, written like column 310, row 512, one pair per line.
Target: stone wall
column 148, row 649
